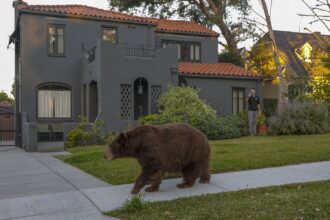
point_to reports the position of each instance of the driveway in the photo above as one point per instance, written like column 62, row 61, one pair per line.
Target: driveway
column 38, row 186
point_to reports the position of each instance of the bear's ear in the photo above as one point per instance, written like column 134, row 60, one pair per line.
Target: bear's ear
column 122, row 138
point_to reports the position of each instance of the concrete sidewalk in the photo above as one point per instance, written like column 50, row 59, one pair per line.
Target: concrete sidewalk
column 219, row 183
column 38, row 186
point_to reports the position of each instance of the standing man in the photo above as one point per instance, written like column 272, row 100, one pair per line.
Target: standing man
column 253, row 107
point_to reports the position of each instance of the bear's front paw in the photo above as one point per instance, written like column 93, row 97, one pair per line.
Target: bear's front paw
column 151, row 189
column 135, row 191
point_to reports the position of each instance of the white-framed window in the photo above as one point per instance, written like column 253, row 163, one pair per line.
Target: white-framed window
column 187, row 51
column 56, row 40
column 54, row 101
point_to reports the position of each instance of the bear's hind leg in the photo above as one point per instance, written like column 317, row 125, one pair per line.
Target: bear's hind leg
column 205, row 175
column 190, row 174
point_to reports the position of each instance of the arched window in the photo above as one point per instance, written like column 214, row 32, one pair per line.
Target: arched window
column 54, row 101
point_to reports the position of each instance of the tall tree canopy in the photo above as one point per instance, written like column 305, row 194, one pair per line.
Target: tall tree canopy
column 230, row 16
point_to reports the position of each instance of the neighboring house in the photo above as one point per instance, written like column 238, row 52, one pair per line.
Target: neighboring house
column 7, row 123
column 300, row 57
column 76, row 60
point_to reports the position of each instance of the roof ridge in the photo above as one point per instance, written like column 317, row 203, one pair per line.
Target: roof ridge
column 86, row 6
column 296, row 32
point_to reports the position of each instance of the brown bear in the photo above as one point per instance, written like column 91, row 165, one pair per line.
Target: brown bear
column 169, row 148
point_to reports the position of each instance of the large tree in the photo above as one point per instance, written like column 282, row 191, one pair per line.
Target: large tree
column 282, row 99
column 230, row 16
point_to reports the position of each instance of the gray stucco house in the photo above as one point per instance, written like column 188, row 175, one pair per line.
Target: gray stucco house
column 76, row 60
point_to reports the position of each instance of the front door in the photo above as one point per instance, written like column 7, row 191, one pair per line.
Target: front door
column 140, row 98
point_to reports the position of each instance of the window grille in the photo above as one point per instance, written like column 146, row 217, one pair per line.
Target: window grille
column 126, row 102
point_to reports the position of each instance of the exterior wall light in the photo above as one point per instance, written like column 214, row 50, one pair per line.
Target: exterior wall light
column 140, row 88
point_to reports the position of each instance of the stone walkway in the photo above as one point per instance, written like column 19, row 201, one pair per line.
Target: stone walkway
column 38, row 186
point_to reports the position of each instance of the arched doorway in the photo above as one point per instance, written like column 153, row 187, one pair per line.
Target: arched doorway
column 140, row 98
column 93, row 101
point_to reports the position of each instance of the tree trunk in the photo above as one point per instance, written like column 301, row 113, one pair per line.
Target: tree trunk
column 282, row 99
column 231, row 42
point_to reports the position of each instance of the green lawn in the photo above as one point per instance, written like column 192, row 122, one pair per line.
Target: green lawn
column 299, row 201
column 227, row 155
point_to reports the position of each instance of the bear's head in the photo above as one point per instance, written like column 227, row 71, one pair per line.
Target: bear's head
column 120, row 147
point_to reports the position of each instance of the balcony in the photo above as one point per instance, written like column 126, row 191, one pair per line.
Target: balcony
column 131, row 50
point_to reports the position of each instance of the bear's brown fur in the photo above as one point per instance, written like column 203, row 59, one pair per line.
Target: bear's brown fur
column 172, row 148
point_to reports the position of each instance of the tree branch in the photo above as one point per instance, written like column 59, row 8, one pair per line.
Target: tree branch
column 320, row 18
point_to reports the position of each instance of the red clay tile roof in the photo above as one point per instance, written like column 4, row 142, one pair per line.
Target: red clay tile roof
column 162, row 25
column 216, row 69
column 84, row 10
column 183, row 26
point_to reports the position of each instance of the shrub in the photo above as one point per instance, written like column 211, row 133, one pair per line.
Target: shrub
column 226, row 127
column 182, row 104
column 244, row 116
column 86, row 134
column 269, row 107
column 261, row 119
column 301, row 118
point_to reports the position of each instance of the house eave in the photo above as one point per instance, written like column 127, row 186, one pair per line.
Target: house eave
column 221, row 76
column 186, row 33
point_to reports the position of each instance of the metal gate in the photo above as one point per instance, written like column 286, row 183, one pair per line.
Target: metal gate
column 7, row 128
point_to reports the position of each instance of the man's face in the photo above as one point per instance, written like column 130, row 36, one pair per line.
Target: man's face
column 253, row 91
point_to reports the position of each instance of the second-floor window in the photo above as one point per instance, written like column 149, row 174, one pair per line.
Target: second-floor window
column 110, row 34
column 56, row 40
column 187, row 51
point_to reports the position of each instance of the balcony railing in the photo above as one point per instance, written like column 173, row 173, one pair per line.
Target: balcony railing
column 140, row 52
column 131, row 50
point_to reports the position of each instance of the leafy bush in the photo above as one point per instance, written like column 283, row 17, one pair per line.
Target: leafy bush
column 182, row 104
column 227, row 127
column 269, row 107
column 244, row 116
column 301, row 118
column 86, row 134
column 261, row 119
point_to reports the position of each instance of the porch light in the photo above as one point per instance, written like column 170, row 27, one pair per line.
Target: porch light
column 140, row 88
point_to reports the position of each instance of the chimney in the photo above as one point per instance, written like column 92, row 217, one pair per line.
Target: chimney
column 19, row 4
